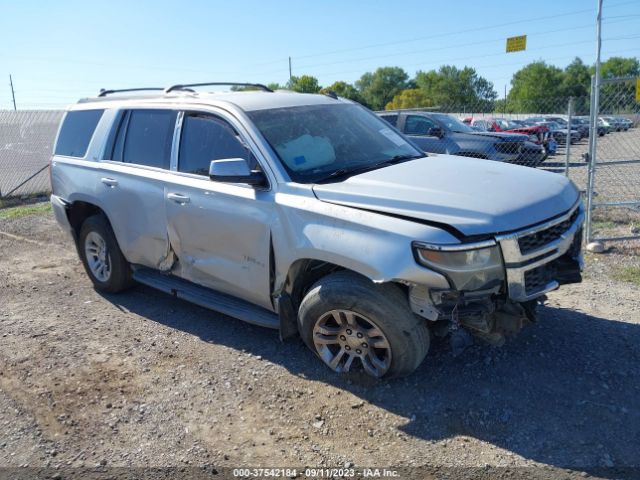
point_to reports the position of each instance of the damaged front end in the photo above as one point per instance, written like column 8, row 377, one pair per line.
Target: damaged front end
column 497, row 284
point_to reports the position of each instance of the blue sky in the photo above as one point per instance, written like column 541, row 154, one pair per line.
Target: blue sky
column 60, row 51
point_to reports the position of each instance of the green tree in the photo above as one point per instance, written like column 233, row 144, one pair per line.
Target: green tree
column 304, row 84
column 619, row 97
column 535, row 88
column 451, row 88
column 576, row 83
column 576, row 79
column 409, row 98
column 378, row 88
column 620, row 67
column 274, row 86
column 345, row 90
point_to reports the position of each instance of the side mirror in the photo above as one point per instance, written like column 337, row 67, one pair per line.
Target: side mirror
column 236, row 170
column 435, row 132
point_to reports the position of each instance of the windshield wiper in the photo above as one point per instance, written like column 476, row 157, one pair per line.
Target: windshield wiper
column 347, row 172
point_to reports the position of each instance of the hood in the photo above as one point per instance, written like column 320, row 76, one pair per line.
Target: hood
column 506, row 136
column 474, row 196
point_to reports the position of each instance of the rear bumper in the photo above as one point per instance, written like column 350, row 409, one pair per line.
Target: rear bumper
column 60, row 206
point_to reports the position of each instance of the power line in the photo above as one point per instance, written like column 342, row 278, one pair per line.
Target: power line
column 396, row 54
column 434, row 62
column 470, row 30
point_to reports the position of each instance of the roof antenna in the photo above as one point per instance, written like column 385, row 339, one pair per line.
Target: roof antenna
column 332, row 94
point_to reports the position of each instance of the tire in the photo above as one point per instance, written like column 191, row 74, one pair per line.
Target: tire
column 345, row 312
column 96, row 233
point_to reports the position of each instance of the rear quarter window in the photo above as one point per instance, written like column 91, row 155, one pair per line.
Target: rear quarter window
column 76, row 132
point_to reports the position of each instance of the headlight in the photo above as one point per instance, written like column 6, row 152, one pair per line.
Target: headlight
column 533, row 138
column 469, row 267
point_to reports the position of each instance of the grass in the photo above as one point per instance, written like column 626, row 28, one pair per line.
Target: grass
column 23, row 211
column 604, row 225
column 629, row 274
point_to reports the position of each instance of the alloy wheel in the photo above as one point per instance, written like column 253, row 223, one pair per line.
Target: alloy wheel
column 343, row 337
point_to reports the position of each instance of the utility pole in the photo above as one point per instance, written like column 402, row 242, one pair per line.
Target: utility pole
column 290, row 76
column 13, row 94
column 504, row 107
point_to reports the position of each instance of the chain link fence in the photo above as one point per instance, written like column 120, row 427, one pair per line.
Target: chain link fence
column 615, row 185
column 26, row 143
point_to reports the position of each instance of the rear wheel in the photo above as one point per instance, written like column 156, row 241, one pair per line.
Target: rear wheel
column 353, row 324
column 101, row 256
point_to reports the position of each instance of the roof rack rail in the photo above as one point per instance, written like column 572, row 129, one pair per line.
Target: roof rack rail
column 104, row 93
column 235, row 84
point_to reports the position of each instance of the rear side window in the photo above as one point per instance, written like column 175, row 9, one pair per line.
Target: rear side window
column 144, row 137
column 76, row 132
column 206, row 138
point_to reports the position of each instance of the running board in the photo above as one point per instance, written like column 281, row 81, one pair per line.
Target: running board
column 207, row 298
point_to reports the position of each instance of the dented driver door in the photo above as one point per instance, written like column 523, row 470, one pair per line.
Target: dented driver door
column 220, row 232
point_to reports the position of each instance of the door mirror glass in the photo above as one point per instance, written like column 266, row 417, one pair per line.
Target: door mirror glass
column 235, row 170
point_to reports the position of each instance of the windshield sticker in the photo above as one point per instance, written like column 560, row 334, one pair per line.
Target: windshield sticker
column 393, row 136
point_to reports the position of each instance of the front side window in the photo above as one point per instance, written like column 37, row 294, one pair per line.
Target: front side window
column 76, row 132
column 322, row 142
column 205, row 138
column 144, row 138
column 418, row 125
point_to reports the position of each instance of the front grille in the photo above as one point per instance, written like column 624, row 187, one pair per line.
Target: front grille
column 508, row 147
column 532, row 242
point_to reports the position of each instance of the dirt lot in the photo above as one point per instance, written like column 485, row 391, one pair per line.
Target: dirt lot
column 141, row 379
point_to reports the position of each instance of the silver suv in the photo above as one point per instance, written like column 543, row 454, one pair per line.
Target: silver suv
column 311, row 215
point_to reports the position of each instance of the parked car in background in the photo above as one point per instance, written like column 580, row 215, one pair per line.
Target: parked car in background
column 584, row 121
column 538, row 134
column 559, row 133
column 608, row 126
column 617, row 123
column 627, row 124
column 311, row 215
column 564, row 123
column 442, row 133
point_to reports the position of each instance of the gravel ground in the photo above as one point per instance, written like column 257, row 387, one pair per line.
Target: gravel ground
column 140, row 379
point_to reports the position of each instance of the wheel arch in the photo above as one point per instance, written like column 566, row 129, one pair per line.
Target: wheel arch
column 79, row 210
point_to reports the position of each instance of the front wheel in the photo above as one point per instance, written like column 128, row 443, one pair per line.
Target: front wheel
column 352, row 324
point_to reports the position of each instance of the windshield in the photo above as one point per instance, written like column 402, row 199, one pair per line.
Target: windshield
column 317, row 142
column 452, row 123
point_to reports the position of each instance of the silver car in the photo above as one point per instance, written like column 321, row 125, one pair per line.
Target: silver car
column 311, row 215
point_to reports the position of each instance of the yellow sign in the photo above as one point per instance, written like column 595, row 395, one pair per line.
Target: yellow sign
column 516, row 44
column 638, row 90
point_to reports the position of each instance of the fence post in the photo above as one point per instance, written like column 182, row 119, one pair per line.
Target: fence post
column 593, row 139
column 568, row 148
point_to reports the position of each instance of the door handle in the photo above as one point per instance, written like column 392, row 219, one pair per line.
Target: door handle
column 178, row 197
column 109, row 182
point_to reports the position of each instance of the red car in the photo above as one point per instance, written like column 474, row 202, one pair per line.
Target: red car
column 538, row 134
